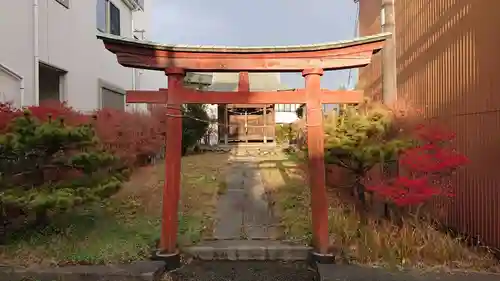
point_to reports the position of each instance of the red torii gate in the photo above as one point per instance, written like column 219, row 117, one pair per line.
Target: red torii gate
column 311, row 60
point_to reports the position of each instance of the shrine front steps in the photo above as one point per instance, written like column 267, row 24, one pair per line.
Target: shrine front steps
column 248, row 250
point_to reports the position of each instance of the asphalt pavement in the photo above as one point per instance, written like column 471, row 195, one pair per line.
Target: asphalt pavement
column 243, row 271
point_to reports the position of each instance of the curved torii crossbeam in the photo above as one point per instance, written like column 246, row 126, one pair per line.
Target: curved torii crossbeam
column 311, row 60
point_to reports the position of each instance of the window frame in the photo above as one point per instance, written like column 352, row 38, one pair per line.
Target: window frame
column 112, row 6
column 105, row 15
column 64, row 3
column 286, row 107
column 105, row 90
column 108, row 6
column 104, row 85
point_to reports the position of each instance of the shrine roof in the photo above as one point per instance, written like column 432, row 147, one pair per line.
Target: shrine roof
column 251, row 49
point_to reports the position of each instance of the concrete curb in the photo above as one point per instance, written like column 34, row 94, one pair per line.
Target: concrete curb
column 138, row 271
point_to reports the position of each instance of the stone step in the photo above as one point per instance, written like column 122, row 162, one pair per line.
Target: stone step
column 246, row 250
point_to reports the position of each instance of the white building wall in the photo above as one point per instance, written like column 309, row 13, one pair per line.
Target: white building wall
column 67, row 40
column 285, row 117
column 16, row 47
column 146, row 79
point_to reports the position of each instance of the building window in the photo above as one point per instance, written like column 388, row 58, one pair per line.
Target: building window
column 286, row 107
column 114, row 19
column 65, row 3
column 52, row 83
column 112, row 99
column 102, row 10
column 108, row 17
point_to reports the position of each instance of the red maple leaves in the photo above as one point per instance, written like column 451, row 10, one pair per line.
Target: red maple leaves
column 131, row 136
column 427, row 164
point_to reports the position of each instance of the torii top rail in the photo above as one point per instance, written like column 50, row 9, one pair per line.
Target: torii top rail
column 311, row 60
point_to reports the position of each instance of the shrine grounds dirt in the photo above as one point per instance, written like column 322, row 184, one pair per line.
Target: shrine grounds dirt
column 414, row 245
column 125, row 228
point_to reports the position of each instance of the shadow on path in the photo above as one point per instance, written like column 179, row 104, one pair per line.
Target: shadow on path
column 245, row 227
column 243, row 211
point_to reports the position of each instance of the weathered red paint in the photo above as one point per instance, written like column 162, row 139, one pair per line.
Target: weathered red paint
column 312, row 63
column 271, row 97
column 173, row 153
column 141, row 56
column 261, row 64
column 244, row 82
column 316, row 153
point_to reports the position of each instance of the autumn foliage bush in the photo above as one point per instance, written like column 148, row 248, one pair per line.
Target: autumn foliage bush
column 427, row 169
column 133, row 137
column 372, row 134
column 53, row 158
column 361, row 140
column 52, row 166
column 286, row 133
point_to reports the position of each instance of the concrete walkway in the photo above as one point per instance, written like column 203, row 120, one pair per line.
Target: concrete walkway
column 243, row 211
column 245, row 227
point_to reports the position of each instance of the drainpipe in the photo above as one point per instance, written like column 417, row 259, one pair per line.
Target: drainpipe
column 133, row 69
column 36, row 56
column 21, row 91
column 389, row 63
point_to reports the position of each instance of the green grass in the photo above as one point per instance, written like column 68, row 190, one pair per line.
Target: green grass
column 295, row 215
column 98, row 235
column 127, row 227
column 222, row 188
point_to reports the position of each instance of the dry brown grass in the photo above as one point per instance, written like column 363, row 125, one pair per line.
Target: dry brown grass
column 203, row 178
column 416, row 245
column 125, row 228
column 284, row 182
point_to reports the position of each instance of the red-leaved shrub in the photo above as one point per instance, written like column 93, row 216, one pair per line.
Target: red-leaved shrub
column 428, row 165
column 7, row 113
column 131, row 136
column 56, row 109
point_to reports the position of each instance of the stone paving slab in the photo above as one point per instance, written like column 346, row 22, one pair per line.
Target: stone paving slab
column 229, row 215
column 243, row 211
column 260, row 231
column 245, row 250
column 245, row 225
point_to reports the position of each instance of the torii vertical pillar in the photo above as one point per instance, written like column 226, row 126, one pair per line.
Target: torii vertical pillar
column 316, row 153
column 226, row 124
column 173, row 153
column 265, row 123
